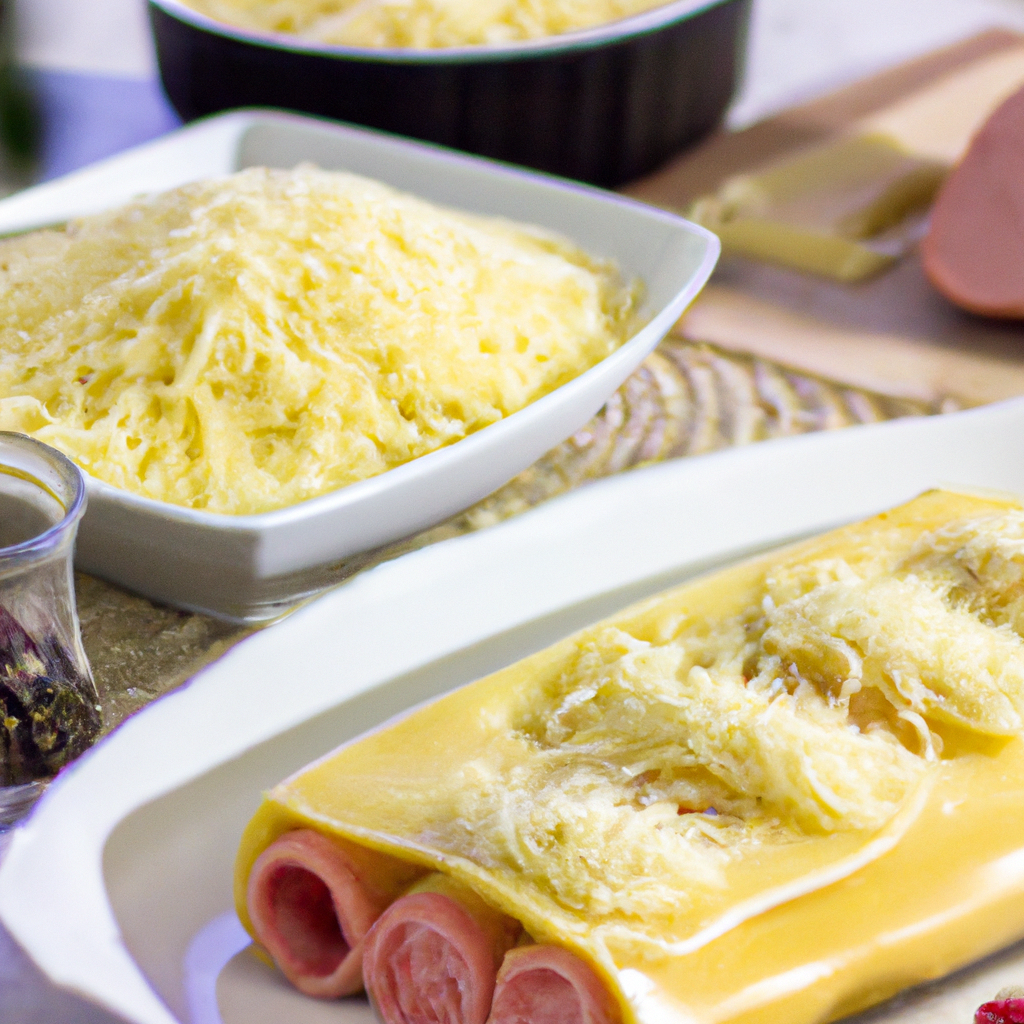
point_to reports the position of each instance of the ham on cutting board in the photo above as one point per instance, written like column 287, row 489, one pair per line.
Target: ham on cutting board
column 974, row 250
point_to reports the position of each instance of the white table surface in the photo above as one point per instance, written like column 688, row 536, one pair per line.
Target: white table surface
column 798, row 49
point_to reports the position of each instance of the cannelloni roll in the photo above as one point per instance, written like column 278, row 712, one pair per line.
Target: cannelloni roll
column 777, row 794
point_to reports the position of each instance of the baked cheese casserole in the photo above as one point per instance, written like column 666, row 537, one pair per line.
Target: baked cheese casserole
column 420, row 24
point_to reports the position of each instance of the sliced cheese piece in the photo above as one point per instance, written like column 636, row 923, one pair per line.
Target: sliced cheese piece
column 849, row 207
column 938, row 121
column 815, row 210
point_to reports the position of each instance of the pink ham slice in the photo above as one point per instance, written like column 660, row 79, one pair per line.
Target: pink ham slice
column 432, row 958
column 974, row 250
column 549, row 985
column 311, row 912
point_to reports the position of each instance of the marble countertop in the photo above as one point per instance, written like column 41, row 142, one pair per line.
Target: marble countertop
column 92, row 66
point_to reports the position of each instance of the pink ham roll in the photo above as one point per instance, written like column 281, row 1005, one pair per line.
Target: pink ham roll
column 550, row 985
column 311, row 912
column 433, row 955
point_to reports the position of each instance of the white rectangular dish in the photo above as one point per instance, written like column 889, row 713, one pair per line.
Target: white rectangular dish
column 119, row 886
column 253, row 567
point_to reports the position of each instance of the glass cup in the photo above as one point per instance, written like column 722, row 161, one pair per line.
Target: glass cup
column 49, row 712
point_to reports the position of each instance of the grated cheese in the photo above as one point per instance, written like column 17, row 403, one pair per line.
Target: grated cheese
column 420, row 24
column 243, row 344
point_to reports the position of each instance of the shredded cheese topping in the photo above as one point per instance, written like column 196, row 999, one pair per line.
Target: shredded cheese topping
column 243, row 344
column 819, row 710
column 420, row 24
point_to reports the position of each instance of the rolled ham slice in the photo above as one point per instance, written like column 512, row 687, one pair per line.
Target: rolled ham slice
column 974, row 250
column 549, row 985
column 311, row 912
column 433, row 955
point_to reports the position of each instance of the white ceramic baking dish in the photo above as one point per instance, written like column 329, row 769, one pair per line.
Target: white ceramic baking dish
column 254, row 567
column 119, row 886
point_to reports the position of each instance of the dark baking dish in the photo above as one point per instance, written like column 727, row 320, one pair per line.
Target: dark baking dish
column 603, row 105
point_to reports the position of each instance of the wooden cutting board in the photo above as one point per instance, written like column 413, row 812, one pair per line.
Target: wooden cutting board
column 893, row 333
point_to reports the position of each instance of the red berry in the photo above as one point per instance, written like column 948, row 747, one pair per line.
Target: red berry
column 1000, row 1011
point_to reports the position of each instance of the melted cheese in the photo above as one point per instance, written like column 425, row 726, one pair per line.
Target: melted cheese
column 422, row 24
column 246, row 343
column 747, row 798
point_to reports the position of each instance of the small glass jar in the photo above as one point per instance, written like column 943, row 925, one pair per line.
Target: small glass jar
column 49, row 712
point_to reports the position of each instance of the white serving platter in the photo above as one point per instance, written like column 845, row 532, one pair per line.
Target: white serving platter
column 255, row 567
column 119, row 885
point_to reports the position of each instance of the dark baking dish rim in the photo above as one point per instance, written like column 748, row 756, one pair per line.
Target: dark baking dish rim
column 618, row 31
